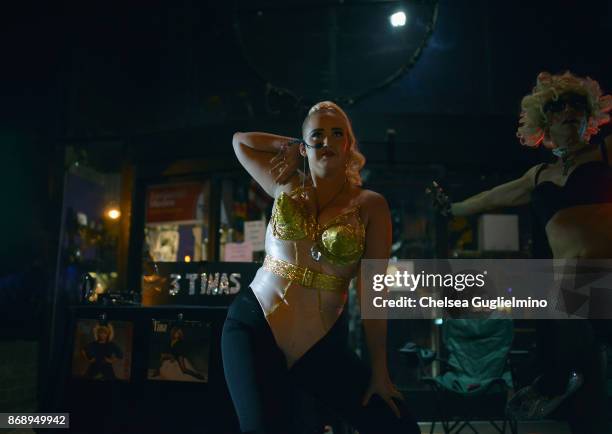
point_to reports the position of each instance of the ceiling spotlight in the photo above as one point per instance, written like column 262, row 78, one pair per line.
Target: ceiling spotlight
column 398, row 19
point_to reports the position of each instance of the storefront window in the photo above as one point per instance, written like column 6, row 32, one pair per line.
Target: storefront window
column 245, row 210
column 177, row 222
column 91, row 226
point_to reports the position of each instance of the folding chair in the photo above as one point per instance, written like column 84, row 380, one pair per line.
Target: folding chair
column 476, row 380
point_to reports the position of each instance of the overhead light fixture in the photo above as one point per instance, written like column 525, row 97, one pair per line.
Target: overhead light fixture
column 398, row 19
column 334, row 79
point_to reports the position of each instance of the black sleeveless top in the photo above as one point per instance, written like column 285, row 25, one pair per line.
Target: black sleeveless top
column 588, row 184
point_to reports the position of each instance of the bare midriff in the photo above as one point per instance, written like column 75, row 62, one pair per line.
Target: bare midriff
column 298, row 316
column 583, row 231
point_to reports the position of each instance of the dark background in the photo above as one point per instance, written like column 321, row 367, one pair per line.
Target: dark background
column 152, row 81
column 162, row 81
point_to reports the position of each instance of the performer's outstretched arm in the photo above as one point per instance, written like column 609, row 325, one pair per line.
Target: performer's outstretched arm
column 270, row 159
column 378, row 246
column 513, row 193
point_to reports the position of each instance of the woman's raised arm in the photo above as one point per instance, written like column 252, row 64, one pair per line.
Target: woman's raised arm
column 270, row 159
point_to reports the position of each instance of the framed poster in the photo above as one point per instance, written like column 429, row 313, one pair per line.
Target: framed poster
column 102, row 350
column 179, row 351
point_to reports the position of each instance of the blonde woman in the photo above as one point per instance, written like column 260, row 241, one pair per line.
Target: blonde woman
column 101, row 354
column 572, row 199
column 284, row 331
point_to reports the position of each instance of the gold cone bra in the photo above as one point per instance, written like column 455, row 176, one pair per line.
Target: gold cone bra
column 340, row 242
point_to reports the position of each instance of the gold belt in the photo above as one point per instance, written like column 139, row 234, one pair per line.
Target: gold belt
column 304, row 276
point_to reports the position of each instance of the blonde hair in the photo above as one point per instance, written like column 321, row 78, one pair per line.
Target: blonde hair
column 356, row 160
column 107, row 328
column 549, row 87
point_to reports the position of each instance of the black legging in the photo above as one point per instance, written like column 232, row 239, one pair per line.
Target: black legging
column 261, row 385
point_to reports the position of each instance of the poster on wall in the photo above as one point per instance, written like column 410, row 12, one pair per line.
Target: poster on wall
column 238, row 252
column 102, row 350
column 177, row 203
column 179, row 351
column 255, row 233
column 163, row 242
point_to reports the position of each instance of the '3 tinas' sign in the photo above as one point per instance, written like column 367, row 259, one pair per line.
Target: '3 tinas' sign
column 205, row 283
column 210, row 284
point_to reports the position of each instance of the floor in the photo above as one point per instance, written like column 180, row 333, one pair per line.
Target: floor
column 523, row 428
column 481, row 427
column 547, row 427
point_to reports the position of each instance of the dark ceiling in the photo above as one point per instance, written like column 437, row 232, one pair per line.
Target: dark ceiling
column 101, row 70
column 171, row 80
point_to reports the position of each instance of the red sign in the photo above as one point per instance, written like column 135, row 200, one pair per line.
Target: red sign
column 173, row 202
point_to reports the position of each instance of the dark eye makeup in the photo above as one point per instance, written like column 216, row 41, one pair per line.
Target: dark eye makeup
column 576, row 101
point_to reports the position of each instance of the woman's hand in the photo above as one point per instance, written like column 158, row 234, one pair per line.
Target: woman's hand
column 441, row 202
column 285, row 163
column 381, row 385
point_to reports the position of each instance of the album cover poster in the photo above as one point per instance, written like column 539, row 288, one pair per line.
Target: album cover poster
column 102, row 350
column 179, row 351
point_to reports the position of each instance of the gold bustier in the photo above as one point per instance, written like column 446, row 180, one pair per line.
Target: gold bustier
column 340, row 242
